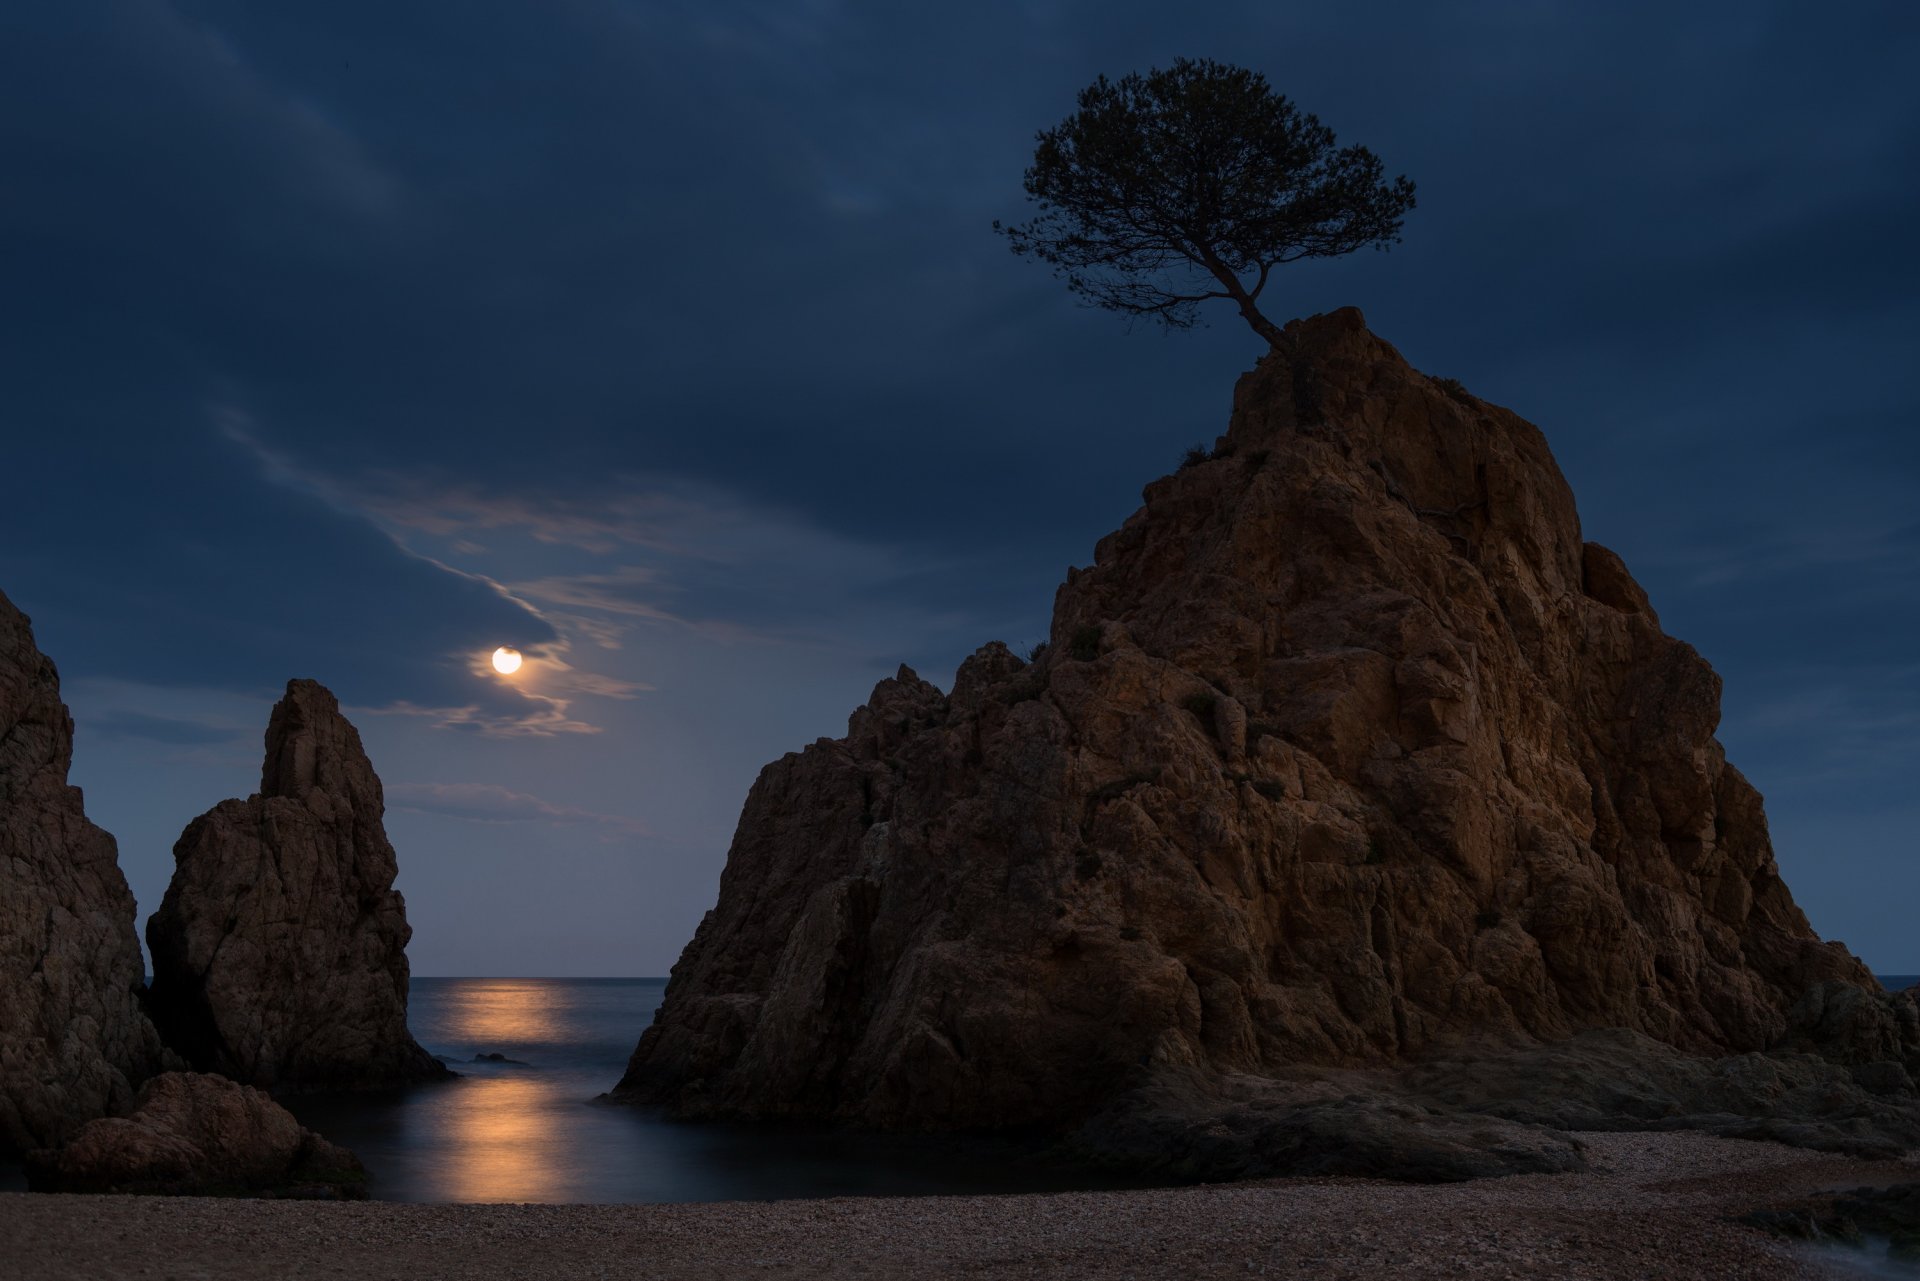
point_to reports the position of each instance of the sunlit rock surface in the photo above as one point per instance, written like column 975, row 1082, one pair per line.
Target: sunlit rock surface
column 74, row 1044
column 279, row 952
column 1348, row 751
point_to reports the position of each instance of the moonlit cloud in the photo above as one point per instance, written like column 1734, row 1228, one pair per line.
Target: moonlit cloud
column 352, row 343
column 605, row 607
column 596, row 525
column 547, row 718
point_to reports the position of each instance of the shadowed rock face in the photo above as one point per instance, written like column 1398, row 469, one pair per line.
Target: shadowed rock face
column 279, row 952
column 1347, row 751
column 74, row 1044
column 191, row 1133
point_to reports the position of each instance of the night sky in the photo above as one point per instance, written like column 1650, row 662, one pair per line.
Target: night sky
column 670, row 343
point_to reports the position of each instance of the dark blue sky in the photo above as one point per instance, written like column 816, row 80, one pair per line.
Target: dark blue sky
column 670, row 342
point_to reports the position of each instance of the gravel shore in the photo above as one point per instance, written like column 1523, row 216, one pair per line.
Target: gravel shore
column 1657, row 1205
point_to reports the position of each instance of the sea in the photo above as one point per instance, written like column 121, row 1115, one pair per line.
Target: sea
column 532, row 1126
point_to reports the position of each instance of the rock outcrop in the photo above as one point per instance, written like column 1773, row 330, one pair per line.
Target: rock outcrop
column 74, row 1043
column 1852, row 1219
column 193, row 1134
column 279, row 951
column 1347, row 751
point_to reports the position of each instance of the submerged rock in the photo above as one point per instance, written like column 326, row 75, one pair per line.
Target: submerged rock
column 1348, row 751
column 193, row 1134
column 279, row 952
column 74, row 1043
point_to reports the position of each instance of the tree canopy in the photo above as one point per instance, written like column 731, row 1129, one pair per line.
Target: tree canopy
column 1192, row 183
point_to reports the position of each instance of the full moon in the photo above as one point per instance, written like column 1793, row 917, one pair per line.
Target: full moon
column 506, row 661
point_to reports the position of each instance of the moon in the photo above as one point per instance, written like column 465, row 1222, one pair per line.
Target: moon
column 506, row 660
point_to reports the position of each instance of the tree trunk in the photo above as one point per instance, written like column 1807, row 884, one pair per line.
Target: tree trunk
column 1241, row 298
column 1261, row 325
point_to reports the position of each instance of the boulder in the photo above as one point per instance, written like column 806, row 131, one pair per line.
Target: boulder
column 194, row 1134
column 279, row 951
column 74, row 1044
column 1348, row 751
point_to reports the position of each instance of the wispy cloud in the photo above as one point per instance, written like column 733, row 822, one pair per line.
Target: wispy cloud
column 305, row 147
column 717, row 564
column 491, row 803
column 604, row 607
column 544, row 722
column 546, row 675
column 172, row 730
column 677, row 518
column 1871, row 555
column 544, row 692
column 1836, row 727
column 655, row 517
column 540, row 700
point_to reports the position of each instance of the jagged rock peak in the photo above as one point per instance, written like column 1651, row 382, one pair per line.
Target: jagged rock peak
column 74, row 1044
column 311, row 746
column 279, row 952
column 1346, row 751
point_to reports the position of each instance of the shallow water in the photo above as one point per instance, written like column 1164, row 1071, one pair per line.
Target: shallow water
column 531, row 1130
column 1869, row 1261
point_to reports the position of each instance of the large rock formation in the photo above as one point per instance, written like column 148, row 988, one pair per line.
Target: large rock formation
column 279, row 952
column 190, row 1134
column 74, row 1044
column 1347, row 751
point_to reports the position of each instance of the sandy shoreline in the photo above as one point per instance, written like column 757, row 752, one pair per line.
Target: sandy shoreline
column 1658, row 1205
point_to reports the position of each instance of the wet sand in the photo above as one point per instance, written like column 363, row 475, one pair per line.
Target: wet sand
column 1656, row 1206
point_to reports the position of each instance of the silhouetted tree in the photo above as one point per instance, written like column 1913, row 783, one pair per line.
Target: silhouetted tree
column 1193, row 183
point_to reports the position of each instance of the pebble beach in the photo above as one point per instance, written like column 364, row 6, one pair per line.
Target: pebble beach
column 1654, row 1206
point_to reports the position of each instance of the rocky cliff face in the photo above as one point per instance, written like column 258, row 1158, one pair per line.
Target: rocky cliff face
column 74, row 1044
column 1347, row 751
column 279, row 952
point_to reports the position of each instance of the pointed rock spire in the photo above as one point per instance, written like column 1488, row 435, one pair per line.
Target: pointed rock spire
column 279, row 952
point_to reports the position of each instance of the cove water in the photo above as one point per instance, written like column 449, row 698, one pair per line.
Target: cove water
column 531, row 1130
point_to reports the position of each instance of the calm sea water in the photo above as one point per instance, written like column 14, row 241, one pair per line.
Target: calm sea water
column 532, row 1131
